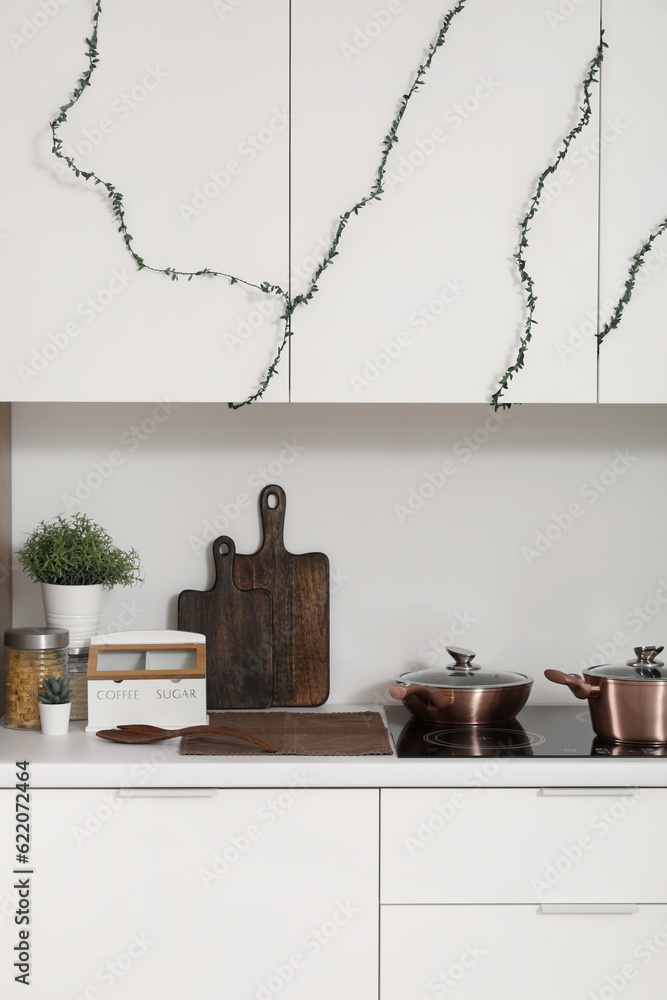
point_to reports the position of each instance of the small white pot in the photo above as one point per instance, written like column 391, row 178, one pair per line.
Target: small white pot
column 78, row 609
column 54, row 718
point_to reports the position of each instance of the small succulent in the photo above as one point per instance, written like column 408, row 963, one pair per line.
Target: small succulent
column 55, row 691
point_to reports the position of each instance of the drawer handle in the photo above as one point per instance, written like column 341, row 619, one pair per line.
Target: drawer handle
column 167, row 793
column 617, row 908
column 616, row 791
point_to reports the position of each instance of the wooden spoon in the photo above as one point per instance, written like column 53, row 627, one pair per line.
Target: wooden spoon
column 154, row 734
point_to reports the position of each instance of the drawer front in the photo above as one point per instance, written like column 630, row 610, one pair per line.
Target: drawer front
column 521, row 845
column 521, row 953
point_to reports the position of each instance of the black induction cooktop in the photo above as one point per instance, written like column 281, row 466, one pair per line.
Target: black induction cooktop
column 538, row 731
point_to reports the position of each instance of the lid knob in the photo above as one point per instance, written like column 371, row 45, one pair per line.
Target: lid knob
column 646, row 656
column 462, row 659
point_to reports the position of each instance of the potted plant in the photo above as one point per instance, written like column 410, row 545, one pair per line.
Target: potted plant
column 75, row 559
column 55, row 702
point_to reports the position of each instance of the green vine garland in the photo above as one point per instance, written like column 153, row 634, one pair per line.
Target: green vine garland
column 635, row 267
column 375, row 193
column 387, row 143
column 118, row 207
column 526, row 280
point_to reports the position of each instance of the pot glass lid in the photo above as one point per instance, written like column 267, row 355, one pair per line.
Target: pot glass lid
column 463, row 673
column 644, row 667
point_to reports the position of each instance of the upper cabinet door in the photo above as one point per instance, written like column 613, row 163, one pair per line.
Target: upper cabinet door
column 186, row 115
column 423, row 301
column 633, row 205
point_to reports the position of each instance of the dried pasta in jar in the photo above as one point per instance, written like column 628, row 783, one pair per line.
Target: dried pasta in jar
column 32, row 654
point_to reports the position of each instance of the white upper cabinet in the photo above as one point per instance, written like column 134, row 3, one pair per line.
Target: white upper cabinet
column 424, row 301
column 633, row 357
column 240, row 134
column 187, row 117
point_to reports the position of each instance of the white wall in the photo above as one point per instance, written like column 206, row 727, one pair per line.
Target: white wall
column 399, row 579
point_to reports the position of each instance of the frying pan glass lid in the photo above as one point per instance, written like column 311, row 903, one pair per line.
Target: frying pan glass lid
column 463, row 673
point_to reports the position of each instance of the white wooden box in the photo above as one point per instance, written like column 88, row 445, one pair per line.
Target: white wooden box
column 152, row 676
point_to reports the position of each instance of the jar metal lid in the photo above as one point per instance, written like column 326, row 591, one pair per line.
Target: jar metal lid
column 36, row 638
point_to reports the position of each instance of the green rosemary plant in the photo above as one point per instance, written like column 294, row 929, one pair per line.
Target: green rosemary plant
column 76, row 551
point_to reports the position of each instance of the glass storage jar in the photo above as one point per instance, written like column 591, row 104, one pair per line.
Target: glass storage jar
column 31, row 654
column 77, row 674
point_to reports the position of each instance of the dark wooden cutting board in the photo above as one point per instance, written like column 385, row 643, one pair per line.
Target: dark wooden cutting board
column 237, row 626
column 299, row 588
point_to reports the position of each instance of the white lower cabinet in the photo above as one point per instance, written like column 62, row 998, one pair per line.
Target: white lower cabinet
column 235, row 894
column 523, row 953
column 8, row 894
column 522, row 845
column 520, row 893
column 252, row 894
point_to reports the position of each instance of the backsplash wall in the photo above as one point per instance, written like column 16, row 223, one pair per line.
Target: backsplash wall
column 534, row 536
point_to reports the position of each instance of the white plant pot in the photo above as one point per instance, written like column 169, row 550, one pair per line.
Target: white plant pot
column 78, row 609
column 54, row 719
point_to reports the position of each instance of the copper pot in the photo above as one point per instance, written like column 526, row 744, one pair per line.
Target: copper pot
column 628, row 701
column 463, row 693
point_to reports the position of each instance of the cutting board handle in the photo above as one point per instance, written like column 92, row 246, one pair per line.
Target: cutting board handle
column 273, row 518
column 223, row 557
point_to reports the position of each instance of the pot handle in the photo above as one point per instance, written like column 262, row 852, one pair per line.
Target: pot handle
column 430, row 696
column 577, row 685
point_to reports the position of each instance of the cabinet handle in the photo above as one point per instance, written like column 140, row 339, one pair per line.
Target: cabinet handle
column 167, row 793
column 616, row 791
column 621, row 908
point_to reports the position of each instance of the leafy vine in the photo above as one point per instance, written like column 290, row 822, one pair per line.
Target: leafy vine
column 291, row 303
column 387, row 143
column 637, row 264
column 118, row 206
column 526, row 280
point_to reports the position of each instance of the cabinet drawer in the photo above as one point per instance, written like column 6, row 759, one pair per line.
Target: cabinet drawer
column 522, row 845
column 521, row 953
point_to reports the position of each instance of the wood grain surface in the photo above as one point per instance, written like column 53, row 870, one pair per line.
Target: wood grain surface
column 238, row 630
column 299, row 588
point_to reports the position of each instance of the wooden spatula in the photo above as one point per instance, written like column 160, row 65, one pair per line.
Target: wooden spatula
column 154, row 734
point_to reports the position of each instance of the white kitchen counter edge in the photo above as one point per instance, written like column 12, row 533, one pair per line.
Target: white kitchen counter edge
column 80, row 760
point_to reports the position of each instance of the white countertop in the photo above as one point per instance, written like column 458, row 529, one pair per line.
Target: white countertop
column 81, row 760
